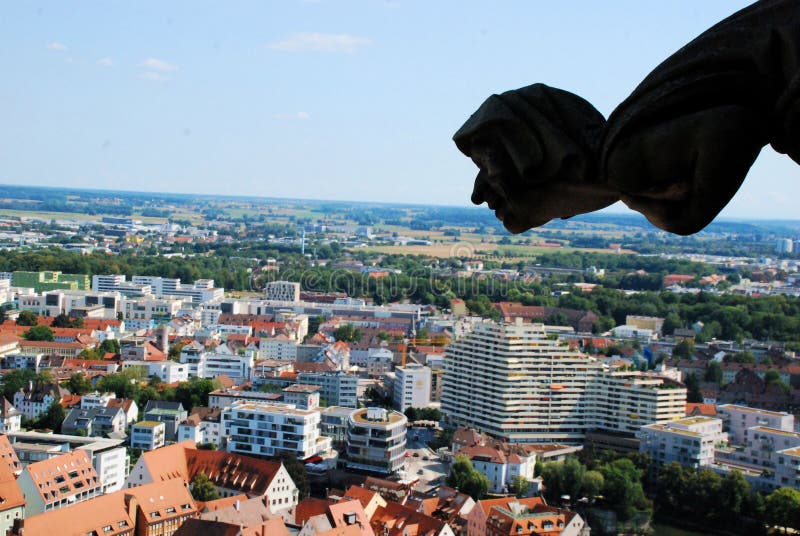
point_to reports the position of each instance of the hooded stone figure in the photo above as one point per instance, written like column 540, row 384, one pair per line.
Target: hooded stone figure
column 677, row 149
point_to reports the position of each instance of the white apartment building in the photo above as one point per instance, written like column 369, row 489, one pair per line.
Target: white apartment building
column 254, row 428
column 302, row 396
column 148, row 435
column 118, row 283
column 738, row 419
column 412, row 387
column 511, row 381
column 376, row 440
column 623, row 401
column 159, row 285
column 96, row 399
column 167, row 371
column 225, row 398
column 287, row 291
column 150, row 308
column 690, row 442
column 210, row 364
column 109, row 282
column 279, row 348
column 336, row 388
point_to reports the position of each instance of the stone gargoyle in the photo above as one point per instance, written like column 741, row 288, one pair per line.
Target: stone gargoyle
column 676, row 150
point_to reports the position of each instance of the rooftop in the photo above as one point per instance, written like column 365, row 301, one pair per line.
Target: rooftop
column 148, row 424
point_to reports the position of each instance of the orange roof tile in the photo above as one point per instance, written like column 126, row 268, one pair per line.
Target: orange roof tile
column 84, row 518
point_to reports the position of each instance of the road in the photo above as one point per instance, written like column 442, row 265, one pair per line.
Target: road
column 430, row 472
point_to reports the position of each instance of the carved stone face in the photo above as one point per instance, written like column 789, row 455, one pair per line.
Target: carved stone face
column 521, row 203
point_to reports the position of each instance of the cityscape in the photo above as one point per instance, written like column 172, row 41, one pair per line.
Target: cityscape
column 303, row 367
column 400, row 268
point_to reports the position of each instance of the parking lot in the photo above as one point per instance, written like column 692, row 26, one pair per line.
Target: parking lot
column 421, row 462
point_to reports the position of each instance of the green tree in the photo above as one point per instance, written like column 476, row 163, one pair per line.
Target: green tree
column 203, row 489
column 27, row 318
column 79, row 384
column 39, row 333
column 745, row 356
column 593, row 483
column 109, row 346
column 693, row 393
column 175, row 351
column 782, row 508
column 347, row 333
column 714, row 373
column 466, row 479
column 520, row 486
column 63, row 321
column 623, row 488
column 683, row 350
column 52, row 418
column 16, row 379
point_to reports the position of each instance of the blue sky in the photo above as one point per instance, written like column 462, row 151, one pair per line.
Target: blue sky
column 327, row 99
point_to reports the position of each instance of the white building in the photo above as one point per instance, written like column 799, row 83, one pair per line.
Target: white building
column 412, row 387
column 167, row 371
column 376, row 440
column 10, row 418
column 302, row 396
column 336, row 388
column 500, row 467
column 37, row 398
column 148, row 435
column 279, row 348
column 222, row 360
column 784, row 245
column 738, row 419
column 96, row 399
column 511, row 381
column 690, row 442
column 282, row 291
column 203, row 426
column 265, row 429
column 150, row 308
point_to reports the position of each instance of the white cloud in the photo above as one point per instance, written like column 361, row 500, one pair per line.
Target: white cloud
column 156, row 64
column 55, row 45
column 105, row 62
column 154, row 76
column 304, row 116
column 320, row 42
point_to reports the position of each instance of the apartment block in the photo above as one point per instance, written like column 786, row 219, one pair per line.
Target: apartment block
column 376, row 440
column 513, row 382
column 336, row 388
column 690, row 441
column 412, row 387
column 259, row 429
column 148, row 435
column 738, row 419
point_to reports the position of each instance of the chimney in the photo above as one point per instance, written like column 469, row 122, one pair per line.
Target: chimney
column 236, row 505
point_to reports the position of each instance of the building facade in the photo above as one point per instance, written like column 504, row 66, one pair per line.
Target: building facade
column 376, row 440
